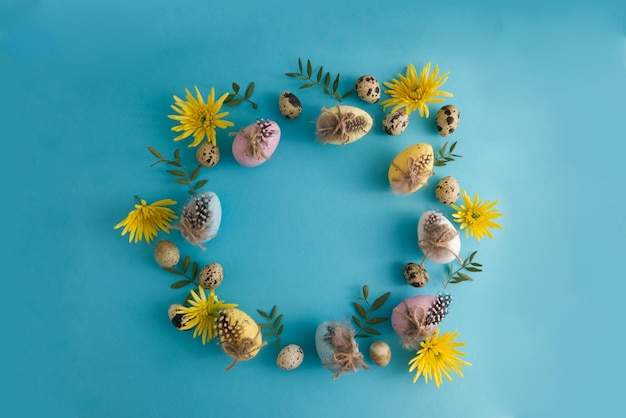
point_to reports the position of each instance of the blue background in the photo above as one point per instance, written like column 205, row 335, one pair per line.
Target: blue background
column 87, row 85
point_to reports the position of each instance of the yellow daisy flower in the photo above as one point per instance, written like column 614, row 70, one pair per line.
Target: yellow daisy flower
column 146, row 220
column 199, row 118
column 202, row 314
column 476, row 216
column 438, row 356
column 413, row 92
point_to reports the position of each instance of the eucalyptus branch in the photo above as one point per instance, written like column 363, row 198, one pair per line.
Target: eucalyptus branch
column 444, row 155
column 182, row 174
column 321, row 79
column 273, row 324
column 234, row 99
column 367, row 320
column 457, row 276
column 191, row 278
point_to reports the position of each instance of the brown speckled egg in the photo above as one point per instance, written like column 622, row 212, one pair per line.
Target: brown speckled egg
column 380, row 353
column 395, row 123
column 289, row 105
column 207, row 154
column 290, row 357
column 177, row 319
column 447, row 190
column 415, row 275
column 211, row 276
column 447, row 120
column 368, row 89
column 166, row 253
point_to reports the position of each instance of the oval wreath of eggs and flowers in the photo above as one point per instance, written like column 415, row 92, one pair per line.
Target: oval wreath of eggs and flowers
column 416, row 319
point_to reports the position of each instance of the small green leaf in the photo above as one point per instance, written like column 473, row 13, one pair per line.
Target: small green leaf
column 277, row 320
column 173, row 271
column 194, row 270
column 280, row 330
column 306, row 86
column 309, row 68
column 174, row 163
column 452, row 147
column 265, row 326
column 346, row 94
column 236, row 87
column 335, row 83
column 472, row 255
column 476, row 264
column 377, row 320
column 360, row 310
column 366, row 291
column 464, row 276
column 473, row 269
column 195, row 173
column 292, row 74
column 155, row 152
column 300, row 64
column 327, row 80
column 357, row 321
column 179, row 284
column 177, row 173
column 230, row 97
column 380, row 301
column 442, row 151
column 255, row 106
column 336, row 96
column 273, row 312
column 371, row 331
column 236, row 102
column 249, row 90
column 186, row 263
column 320, row 74
column 262, row 313
column 200, row 184
column 177, row 154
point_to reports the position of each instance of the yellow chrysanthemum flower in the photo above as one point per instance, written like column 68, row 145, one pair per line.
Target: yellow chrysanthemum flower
column 413, row 92
column 476, row 216
column 146, row 220
column 438, row 356
column 202, row 314
column 199, row 118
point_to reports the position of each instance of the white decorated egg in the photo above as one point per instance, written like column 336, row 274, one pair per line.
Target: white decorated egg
column 201, row 218
column 438, row 238
column 290, row 357
column 256, row 143
column 337, row 348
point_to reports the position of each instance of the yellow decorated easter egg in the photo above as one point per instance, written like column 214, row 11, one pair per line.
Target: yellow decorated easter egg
column 341, row 125
column 410, row 169
column 239, row 335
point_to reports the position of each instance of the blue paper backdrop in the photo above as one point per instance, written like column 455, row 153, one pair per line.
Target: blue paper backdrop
column 87, row 85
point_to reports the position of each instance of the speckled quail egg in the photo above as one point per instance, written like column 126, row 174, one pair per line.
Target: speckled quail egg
column 415, row 275
column 380, row 353
column 207, row 154
column 368, row 89
column 211, row 276
column 289, row 105
column 290, row 357
column 447, row 119
column 177, row 319
column 395, row 123
column 166, row 253
column 447, row 190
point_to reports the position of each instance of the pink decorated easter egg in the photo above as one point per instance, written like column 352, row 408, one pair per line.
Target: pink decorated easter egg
column 256, row 143
column 416, row 318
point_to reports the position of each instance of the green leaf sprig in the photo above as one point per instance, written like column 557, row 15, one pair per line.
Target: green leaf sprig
column 444, row 155
column 365, row 319
column 273, row 325
column 321, row 79
column 234, row 99
column 191, row 278
column 457, row 276
column 183, row 176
